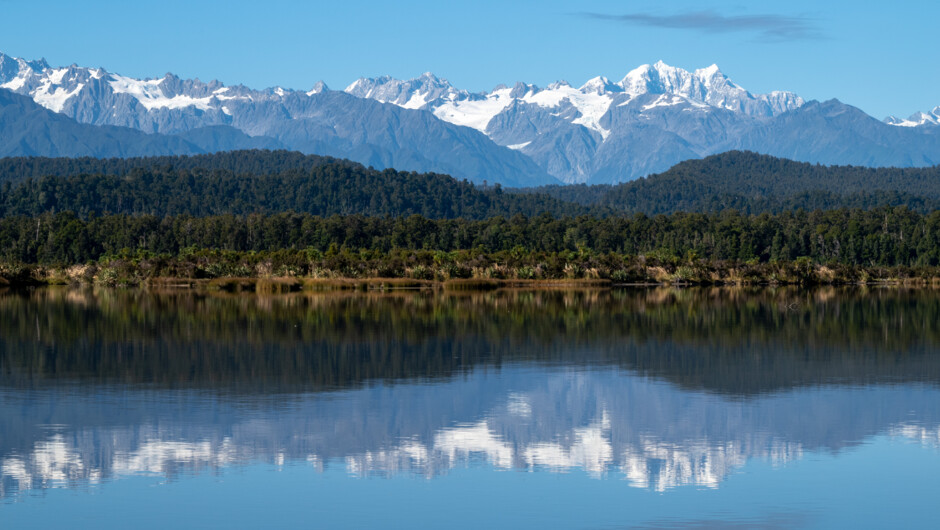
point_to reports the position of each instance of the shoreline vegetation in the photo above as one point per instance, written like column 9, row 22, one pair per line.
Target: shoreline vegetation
column 290, row 251
column 232, row 272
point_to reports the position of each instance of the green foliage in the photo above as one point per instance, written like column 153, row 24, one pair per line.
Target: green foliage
column 880, row 237
column 247, row 182
column 752, row 183
column 257, row 212
column 267, row 182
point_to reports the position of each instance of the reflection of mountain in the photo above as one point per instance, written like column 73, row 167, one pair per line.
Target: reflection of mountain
column 730, row 341
column 918, row 433
column 605, row 422
column 661, row 388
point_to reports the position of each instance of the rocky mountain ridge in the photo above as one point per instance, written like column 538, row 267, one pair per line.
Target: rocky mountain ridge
column 603, row 131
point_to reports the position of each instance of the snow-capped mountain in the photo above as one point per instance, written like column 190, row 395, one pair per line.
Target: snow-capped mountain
column 413, row 94
column 563, row 128
column 603, row 131
column 318, row 121
column 654, row 117
column 917, row 119
column 93, row 95
column 707, row 87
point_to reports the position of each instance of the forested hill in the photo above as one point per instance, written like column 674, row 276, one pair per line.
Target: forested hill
column 247, row 182
column 260, row 181
column 254, row 162
column 753, row 183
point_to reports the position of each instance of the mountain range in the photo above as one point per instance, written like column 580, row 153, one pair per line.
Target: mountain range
column 917, row 119
column 524, row 135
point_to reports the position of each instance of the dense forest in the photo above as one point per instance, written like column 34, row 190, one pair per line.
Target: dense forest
column 256, row 162
column 359, row 246
column 753, row 183
column 324, row 188
column 257, row 213
column 267, row 182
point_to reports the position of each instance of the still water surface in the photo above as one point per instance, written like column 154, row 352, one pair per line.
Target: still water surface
column 652, row 408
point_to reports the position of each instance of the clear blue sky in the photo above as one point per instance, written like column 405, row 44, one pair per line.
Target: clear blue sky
column 882, row 57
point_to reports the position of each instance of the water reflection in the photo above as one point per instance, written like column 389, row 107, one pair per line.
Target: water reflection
column 658, row 388
column 734, row 341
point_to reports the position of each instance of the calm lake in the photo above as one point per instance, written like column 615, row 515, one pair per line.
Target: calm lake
column 649, row 408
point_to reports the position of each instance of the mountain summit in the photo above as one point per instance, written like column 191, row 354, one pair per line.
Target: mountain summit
column 520, row 135
column 320, row 121
column 918, row 119
column 706, row 86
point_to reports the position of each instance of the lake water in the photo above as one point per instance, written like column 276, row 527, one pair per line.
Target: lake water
column 649, row 408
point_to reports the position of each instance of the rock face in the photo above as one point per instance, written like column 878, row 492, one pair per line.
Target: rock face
column 602, row 131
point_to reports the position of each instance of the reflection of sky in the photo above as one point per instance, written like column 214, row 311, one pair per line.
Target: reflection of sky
column 604, row 424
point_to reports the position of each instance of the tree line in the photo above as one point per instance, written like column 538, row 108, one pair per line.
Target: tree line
column 754, row 183
column 325, row 189
column 245, row 182
column 254, row 162
column 882, row 236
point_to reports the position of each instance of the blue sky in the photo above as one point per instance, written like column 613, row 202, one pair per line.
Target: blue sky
column 881, row 57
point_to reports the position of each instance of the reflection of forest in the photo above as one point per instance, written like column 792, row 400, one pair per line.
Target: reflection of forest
column 729, row 340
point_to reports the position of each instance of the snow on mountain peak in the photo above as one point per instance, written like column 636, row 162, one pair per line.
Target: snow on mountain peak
column 12, row 66
column 412, row 94
column 636, row 80
column 918, row 119
column 599, row 85
column 602, row 130
column 320, row 86
column 709, row 71
column 659, row 78
column 60, row 89
column 706, row 85
column 702, row 89
column 55, row 87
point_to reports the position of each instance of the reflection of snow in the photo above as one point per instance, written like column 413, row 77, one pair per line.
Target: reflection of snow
column 408, row 455
column 649, row 463
column 782, row 453
column 465, row 440
column 316, row 462
column 660, row 466
column 519, row 405
column 927, row 436
column 450, row 447
column 591, row 451
column 157, row 457
column 54, row 463
column 649, row 433
column 51, row 464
